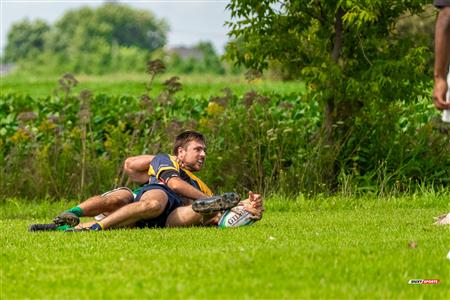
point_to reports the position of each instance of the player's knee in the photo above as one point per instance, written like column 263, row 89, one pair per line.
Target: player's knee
column 118, row 198
column 151, row 207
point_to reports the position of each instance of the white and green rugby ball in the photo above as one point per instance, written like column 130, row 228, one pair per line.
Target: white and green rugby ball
column 235, row 217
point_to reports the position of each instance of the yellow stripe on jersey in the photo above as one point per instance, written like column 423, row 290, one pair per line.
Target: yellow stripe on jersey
column 175, row 163
column 151, row 171
column 175, row 167
column 203, row 187
column 165, row 169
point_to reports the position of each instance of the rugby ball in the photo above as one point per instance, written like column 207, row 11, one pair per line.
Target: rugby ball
column 235, row 217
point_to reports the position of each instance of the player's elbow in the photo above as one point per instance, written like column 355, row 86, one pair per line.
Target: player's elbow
column 175, row 184
column 128, row 166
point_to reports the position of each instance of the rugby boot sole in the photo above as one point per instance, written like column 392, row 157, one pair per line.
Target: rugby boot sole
column 216, row 203
column 66, row 218
column 42, row 227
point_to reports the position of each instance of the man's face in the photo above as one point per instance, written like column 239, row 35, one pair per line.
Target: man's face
column 192, row 156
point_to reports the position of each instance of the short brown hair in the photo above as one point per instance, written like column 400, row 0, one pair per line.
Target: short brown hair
column 185, row 137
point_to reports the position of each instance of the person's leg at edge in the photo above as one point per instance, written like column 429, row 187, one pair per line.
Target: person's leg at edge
column 151, row 205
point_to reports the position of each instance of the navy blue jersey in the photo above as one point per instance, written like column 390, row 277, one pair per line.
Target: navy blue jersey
column 167, row 164
column 441, row 3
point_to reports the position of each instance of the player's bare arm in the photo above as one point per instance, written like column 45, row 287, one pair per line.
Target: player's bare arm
column 136, row 167
column 442, row 58
column 184, row 189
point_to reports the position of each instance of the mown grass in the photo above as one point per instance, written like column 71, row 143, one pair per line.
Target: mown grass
column 303, row 248
column 195, row 86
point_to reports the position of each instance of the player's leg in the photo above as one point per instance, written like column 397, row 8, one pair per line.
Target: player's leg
column 185, row 216
column 107, row 202
column 151, row 204
column 202, row 211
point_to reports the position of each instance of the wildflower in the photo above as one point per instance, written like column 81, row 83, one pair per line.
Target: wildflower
column 85, row 95
column 21, row 135
column 191, row 124
column 249, row 98
column 174, row 128
column 205, row 123
column 224, row 99
column 27, row 116
column 214, row 109
column 46, row 125
column 155, row 67
column 173, row 85
column 286, row 105
column 252, row 74
column 107, row 143
column 67, row 82
column 75, row 133
column 84, row 114
column 53, row 118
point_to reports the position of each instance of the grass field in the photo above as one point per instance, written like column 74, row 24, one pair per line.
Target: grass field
column 134, row 85
column 304, row 248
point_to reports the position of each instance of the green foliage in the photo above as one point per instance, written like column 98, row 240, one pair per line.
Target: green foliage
column 81, row 30
column 342, row 245
column 26, row 39
column 303, row 34
column 267, row 140
column 109, row 38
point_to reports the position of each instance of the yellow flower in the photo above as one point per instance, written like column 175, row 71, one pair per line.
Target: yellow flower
column 75, row 133
column 107, row 143
column 204, row 122
column 46, row 125
column 214, row 108
column 21, row 135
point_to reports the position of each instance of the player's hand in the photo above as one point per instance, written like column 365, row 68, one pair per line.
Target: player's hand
column 439, row 93
column 254, row 205
column 255, row 199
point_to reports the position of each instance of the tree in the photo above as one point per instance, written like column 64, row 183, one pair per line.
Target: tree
column 349, row 53
column 25, row 39
column 113, row 23
column 91, row 40
column 211, row 61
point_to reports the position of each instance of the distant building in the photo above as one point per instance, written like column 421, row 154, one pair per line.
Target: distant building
column 6, row 69
column 186, row 52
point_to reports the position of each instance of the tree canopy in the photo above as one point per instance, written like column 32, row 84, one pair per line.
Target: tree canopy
column 25, row 39
column 347, row 51
column 91, row 40
column 110, row 23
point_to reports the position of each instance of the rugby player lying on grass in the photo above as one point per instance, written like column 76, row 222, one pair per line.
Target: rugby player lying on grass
column 173, row 195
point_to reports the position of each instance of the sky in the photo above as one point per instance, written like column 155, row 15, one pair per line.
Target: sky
column 189, row 21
